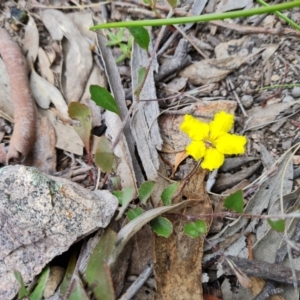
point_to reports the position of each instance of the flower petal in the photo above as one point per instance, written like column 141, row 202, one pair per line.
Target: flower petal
column 222, row 123
column 231, row 144
column 196, row 149
column 194, row 128
column 213, row 159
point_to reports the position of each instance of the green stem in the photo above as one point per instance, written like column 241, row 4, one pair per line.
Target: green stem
column 202, row 18
column 281, row 15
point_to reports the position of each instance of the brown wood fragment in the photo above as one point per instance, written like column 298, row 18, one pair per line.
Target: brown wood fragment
column 23, row 137
column 178, row 259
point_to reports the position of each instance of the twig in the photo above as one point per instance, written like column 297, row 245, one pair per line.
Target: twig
column 251, row 29
column 238, row 100
column 138, row 283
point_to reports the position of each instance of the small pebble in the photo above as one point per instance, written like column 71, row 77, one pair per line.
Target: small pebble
column 288, row 99
column 296, row 91
column 275, row 77
column 247, row 101
column 224, row 93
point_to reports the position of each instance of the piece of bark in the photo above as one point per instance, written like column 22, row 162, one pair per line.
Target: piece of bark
column 173, row 65
column 23, row 136
column 261, row 269
column 144, row 123
column 228, row 180
column 41, row 217
column 117, row 90
column 178, row 259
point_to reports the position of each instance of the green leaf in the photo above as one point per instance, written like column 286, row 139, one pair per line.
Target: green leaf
column 173, row 3
column 77, row 291
column 68, row 275
column 168, row 193
column 195, row 229
column 162, row 226
column 37, row 294
column 134, row 213
column 235, row 202
column 141, row 36
column 124, row 48
column 22, row 291
column 97, row 273
column 278, row 225
column 141, row 75
column 103, row 98
column 83, row 115
column 104, row 157
column 145, row 191
column 126, row 197
column 120, row 33
column 119, row 195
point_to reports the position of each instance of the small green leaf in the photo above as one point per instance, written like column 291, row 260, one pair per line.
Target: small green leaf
column 195, row 229
column 162, row 226
column 103, row 98
column 120, row 33
column 68, row 275
column 168, row 193
column 235, row 202
column 119, row 195
column 127, row 196
column 83, row 115
column 173, row 3
column 141, row 75
column 141, row 36
column 124, row 48
column 145, row 191
column 134, row 213
column 22, row 291
column 77, row 291
column 104, row 157
column 37, row 294
column 97, row 273
column 278, row 225
column 121, row 58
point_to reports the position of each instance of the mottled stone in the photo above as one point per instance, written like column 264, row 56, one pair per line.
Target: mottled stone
column 40, row 218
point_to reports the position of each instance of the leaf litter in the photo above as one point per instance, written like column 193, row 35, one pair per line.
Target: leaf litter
column 65, row 75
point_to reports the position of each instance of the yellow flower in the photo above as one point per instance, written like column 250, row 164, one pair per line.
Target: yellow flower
column 212, row 141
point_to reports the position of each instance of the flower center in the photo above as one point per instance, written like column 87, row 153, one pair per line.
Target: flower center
column 208, row 144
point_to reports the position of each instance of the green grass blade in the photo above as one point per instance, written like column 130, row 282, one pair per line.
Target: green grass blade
column 201, row 18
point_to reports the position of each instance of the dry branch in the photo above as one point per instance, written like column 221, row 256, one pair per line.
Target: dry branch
column 23, row 137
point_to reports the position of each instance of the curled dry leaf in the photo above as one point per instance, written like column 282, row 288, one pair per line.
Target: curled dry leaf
column 31, row 41
column 6, row 103
column 23, row 137
column 44, row 64
column 44, row 152
column 77, row 54
column 44, row 93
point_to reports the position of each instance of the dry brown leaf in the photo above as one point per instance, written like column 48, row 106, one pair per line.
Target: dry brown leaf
column 211, row 70
column 97, row 77
column 31, row 41
column 260, row 116
column 179, row 158
column 23, row 137
column 178, row 259
column 55, row 277
column 66, row 137
column 44, row 64
column 77, row 54
column 44, row 152
column 6, row 103
column 44, row 93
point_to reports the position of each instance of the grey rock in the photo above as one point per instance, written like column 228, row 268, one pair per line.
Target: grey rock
column 296, row 91
column 288, row 99
column 247, row 101
column 40, row 218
